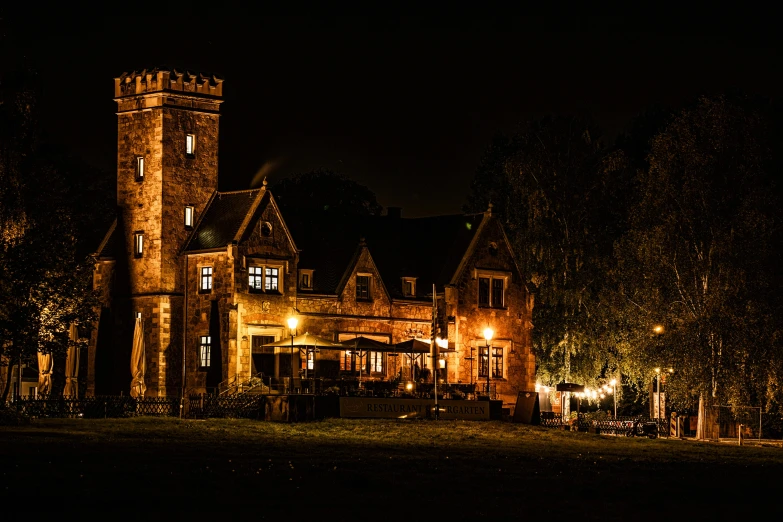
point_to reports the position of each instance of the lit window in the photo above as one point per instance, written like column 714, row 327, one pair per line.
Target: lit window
column 256, row 278
column 206, row 279
column 139, row 168
column 497, row 362
column 409, row 287
column 309, row 362
column 271, row 279
column 363, row 287
column 204, row 349
column 376, row 362
column 483, row 368
column 347, row 361
column 138, row 244
column 189, row 214
column 190, row 144
column 491, row 292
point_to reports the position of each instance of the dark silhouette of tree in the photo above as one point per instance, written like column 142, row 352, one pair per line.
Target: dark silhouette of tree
column 324, row 193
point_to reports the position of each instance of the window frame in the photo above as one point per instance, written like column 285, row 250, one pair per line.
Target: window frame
column 208, row 278
column 409, row 281
column 189, row 212
column 204, row 352
column 483, row 361
column 138, row 244
column 364, row 296
column 486, row 297
column 190, row 145
column 268, row 278
column 140, row 168
column 257, row 271
column 305, row 273
column 497, row 363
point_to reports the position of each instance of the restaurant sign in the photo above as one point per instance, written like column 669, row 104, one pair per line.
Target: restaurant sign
column 381, row 408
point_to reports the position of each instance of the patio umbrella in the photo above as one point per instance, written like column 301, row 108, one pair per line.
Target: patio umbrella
column 45, row 367
column 72, row 365
column 138, row 364
column 307, row 339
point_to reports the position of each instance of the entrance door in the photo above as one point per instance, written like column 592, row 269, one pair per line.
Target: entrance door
column 263, row 357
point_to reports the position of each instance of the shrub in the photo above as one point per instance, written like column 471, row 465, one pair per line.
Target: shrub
column 10, row 417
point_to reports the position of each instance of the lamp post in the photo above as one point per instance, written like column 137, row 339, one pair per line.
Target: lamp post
column 292, row 322
column 488, row 333
column 471, row 364
column 658, row 392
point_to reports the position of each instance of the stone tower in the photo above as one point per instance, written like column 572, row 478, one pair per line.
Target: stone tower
column 167, row 169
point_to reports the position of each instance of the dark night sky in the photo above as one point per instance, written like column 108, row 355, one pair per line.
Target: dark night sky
column 403, row 105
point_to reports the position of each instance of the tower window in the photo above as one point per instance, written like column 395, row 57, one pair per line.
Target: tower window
column 204, row 349
column 205, row 284
column 139, row 168
column 138, row 244
column 190, row 145
column 189, row 214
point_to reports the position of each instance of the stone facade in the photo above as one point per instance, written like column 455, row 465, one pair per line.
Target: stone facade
column 166, row 282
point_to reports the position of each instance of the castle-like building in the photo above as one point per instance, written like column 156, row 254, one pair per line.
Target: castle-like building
column 215, row 276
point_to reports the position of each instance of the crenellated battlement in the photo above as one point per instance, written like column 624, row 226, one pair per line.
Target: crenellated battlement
column 162, row 79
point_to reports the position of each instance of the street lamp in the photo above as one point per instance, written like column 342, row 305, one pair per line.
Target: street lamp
column 292, row 322
column 488, row 333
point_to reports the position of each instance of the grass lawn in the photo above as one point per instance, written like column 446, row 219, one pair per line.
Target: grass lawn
column 340, row 469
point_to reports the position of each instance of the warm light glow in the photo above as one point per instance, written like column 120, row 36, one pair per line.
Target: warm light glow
column 409, row 386
column 658, row 329
column 670, row 370
column 546, row 389
column 292, row 322
column 442, row 363
column 613, row 382
column 610, row 391
column 602, row 395
column 442, row 343
column 488, row 333
column 657, row 370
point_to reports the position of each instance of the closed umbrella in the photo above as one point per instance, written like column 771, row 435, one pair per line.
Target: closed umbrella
column 72, row 365
column 45, row 367
column 138, row 364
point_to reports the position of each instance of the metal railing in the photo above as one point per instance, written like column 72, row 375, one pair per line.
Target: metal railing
column 96, row 407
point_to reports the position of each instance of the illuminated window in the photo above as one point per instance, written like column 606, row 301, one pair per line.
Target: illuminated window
column 491, row 291
column 483, row 368
column 347, row 361
column 376, row 362
column 190, row 212
column 271, row 276
column 362, row 288
column 139, row 168
column 409, row 286
column 497, row 362
column 205, row 284
column 204, row 351
column 190, row 145
column 138, row 244
column 309, row 362
column 255, row 278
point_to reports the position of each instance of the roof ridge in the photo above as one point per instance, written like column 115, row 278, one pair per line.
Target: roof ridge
column 228, row 192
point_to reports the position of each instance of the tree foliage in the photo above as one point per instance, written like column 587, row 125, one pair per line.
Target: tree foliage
column 323, row 192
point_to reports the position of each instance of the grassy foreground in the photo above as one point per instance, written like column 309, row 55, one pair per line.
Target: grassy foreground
column 341, row 469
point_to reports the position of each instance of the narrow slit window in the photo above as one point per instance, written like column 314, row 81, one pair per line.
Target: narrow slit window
column 190, row 144
column 139, row 168
column 189, row 214
column 138, row 244
column 204, row 349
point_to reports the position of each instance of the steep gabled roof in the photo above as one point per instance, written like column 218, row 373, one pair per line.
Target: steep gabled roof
column 224, row 216
column 110, row 245
column 429, row 249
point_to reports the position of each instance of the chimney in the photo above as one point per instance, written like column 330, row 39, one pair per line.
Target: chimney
column 394, row 212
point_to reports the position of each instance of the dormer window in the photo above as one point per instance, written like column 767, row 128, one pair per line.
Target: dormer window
column 492, row 288
column 138, row 244
column 190, row 145
column 190, row 212
column 305, row 279
column 363, row 282
column 409, row 286
column 140, row 168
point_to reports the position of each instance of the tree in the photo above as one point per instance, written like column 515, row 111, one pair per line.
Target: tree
column 702, row 257
column 555, row 186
